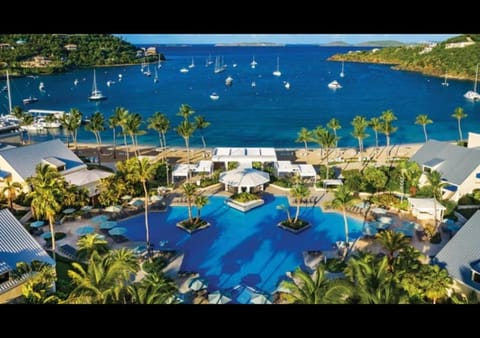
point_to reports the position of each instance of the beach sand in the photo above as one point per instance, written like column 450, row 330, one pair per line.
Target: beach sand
column 345, row 158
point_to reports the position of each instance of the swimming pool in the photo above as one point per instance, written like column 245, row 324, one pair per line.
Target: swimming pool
column 241, row 247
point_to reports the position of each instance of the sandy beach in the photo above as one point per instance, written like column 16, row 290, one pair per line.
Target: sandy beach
column 345, row 158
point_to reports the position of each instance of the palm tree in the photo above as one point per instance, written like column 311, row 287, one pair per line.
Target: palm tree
column 328, row 141
column 287, row 210
column 143, row 172
column 38, row 288
column 299, row 192
column 72, row 121
column 316, row 288
column 47, row 195
column 200, row 201
column 89, row 244
column 359, row 124
column 200, row 124
column 334, row 124
column 104, row 280
column 459, row 114
column 28, row 120
column 317, row 135
column 18, row 112
column 113, row 123
column 153, row 289
column 435, row 180
column 132, row 127
column 122, row 116
column 11, row 189
column 376, row 125
column 189, row 190
column 159, row 122
column 411, row 172
column 342, row 198
column 304, row 135
column 185, row 111
column 387, row 118
column 97, row 125
column 392, row 242
column 423, row 120
column 185, row 130
column 373, row 282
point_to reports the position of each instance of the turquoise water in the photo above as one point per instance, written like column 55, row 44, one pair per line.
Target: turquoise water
column 243, row 247
column 267, row 115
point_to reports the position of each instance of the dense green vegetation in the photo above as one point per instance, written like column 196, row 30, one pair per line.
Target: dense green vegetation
column 85, row 50
column 459, row 63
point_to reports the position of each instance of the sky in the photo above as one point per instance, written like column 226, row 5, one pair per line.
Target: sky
column 277, row 38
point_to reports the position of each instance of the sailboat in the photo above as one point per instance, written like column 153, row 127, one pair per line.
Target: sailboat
column 472, row 95
column 219, row 66
column 445, row 83
column 254, row 63
column 277, row 72
column 147, row 72
column 342, row 74
column 159, row 62
column 155, row 79
column 192, row 65
column 97, row 95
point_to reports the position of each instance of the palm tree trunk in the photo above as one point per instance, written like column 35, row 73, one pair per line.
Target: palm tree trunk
column 188, row 157
column 460, row 130
column 114, row 143
column 326, row 164
column 376, row 139
column 204, row 146
column 125, row 143
column 346, row 224
column 133, row 143
column 189, row 201
column 306, row 147
column 297, row 212
column 164, row 146
column 336, row 139
column 388, row 140
column 359, row 144
column 147, row 228
column 52, row 231
column 425, row 132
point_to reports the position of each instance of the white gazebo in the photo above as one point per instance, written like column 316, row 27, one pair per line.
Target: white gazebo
column 244, row 178
column 424, row 208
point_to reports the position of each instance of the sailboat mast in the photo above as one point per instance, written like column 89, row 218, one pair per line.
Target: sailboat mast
column 476, row 79
column 94, row 89
column 9, row 95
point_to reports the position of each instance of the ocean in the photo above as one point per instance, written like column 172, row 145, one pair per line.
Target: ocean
column 267, row 115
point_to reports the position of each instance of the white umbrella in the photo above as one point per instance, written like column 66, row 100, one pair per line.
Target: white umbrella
column 197, row 284
column 113, row 208
column 259, row 299
column 379, row 211
column 217, row 297
column 244, row 177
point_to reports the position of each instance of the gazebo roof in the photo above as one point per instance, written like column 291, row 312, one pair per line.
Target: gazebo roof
column 244, row 177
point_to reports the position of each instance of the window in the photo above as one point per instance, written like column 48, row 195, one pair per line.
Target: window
column 475, row 276
column 427, row 169
column 4, row 277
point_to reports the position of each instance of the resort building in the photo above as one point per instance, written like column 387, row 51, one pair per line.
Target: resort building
column 458, row 166
column 16, row 245
column 244, row 156
column 461, row 256
column 17, row 164
column 424, row 208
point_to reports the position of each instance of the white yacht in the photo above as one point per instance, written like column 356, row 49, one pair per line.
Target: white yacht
column 97, row 95
column 184, row 70
column 214, row 96
column 228, row 81
column 277, row 72
column 287, row 85
column 41, row 86
column 254, row 63
column 472, row 95
column 445, row 82
column 334, row 85
column 253, row 84
column 75, row 82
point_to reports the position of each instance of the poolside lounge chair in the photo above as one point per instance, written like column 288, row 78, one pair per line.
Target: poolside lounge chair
column 68, row 251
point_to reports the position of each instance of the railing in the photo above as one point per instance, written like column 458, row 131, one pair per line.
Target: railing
column 12, row 283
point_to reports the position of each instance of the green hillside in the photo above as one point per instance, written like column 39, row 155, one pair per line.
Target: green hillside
column 26, row 54
column 457, row 62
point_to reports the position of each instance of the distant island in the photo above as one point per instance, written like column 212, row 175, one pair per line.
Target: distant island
column 250, row 44
column 456, row 57
column 32, row 54
column 379, row 43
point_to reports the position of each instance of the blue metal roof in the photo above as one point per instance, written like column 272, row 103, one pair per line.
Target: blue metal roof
column 4, row 174
column 461, row 251
column 16, row 244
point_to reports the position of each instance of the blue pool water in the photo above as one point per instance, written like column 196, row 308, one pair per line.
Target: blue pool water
column 241, row 247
